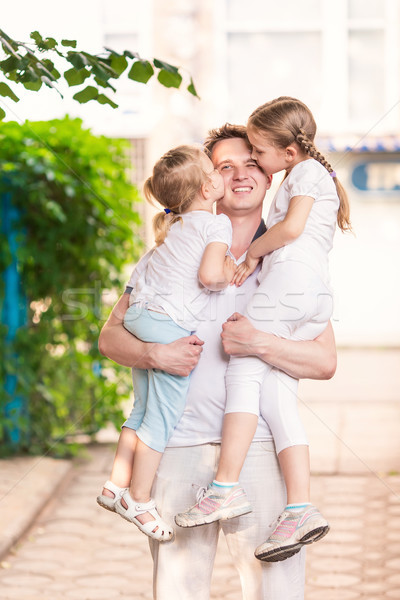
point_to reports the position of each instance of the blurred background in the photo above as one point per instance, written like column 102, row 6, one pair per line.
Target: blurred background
column 343, row 60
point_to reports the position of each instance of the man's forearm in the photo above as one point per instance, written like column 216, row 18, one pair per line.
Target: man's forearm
column 115, row 342
column 122, row 347
column 302, row 360
column 314, row 359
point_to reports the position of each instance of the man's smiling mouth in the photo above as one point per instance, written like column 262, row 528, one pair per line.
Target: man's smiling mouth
column 242, row 189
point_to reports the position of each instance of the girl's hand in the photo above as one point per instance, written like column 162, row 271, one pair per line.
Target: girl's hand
column 229, row 269
column 246, row 268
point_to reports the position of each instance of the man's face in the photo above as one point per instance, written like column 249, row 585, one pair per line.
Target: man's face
column 245, row 183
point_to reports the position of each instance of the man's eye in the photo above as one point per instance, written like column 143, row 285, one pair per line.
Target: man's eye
column 225, row 167
column 252, row 164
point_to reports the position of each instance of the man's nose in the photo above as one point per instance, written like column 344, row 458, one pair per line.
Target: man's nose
column 240, row 173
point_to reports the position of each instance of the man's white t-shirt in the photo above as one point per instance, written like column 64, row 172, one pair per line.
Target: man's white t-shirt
column 169, row 279
column 202, row 418
column 307, row 178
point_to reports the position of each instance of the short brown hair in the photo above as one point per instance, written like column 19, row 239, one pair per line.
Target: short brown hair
column 226, row 132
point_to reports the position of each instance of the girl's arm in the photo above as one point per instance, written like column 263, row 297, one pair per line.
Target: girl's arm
column 216, row 269
column 280, row 234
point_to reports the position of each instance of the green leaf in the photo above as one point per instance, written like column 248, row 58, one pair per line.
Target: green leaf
column 43, row 44
column 76, row 77
column 2, row 114
column 89, row 93
column 77, row 59
column 118, row 63
column 9, row 64
column 33, row 86
column 49, row 43
column 71, row 43
column 35, row 35
column 169, row 79
column 105, row 84
column 102, row 99
column 192, row 89
column 130, row 54
column 100, row 72
column 5, row 90
column 165, row 66
column 141, row 71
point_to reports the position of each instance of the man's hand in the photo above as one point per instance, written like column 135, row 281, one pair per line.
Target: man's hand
column 115, row 342
column 180, row 357
column 246, row 268
column 236, row 334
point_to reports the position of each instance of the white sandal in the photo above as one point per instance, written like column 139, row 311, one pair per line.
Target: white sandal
column 163, row 533
column 106, row 501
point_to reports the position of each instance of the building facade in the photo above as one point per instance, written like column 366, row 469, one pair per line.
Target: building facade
column 342, row 59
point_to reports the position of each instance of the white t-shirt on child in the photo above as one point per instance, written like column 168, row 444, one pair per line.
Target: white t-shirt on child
column 201, row 422
column 307, row 178
column 168, row 278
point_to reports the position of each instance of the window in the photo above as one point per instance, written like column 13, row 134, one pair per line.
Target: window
column 342, row 59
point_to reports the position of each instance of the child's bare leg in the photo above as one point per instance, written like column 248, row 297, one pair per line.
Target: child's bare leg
column 144, row 470
column 237, row 434
column 121, row 473
column 295, row 465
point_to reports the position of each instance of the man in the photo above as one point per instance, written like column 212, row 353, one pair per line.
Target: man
column 183, row 567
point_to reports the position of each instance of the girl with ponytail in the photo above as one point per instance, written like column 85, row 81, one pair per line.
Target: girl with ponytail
column 171, row 291
column 294, row 300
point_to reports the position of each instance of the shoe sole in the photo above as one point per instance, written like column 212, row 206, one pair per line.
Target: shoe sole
column 207, row 519
column 103, row 505
column 282, row 553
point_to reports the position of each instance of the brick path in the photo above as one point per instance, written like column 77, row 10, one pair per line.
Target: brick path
column 70, row 552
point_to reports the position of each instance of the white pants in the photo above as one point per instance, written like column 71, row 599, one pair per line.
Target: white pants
column 291, row 302
column 183, row 567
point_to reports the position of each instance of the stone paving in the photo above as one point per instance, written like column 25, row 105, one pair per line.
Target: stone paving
column 76, row 550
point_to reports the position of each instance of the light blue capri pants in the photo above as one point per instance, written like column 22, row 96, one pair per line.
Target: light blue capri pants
column 159, row 397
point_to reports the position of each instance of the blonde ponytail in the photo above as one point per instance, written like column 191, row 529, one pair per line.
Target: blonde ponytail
column 176, row 180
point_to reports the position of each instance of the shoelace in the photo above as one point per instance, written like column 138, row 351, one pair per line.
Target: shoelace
column 201, row 492
column 275, row 523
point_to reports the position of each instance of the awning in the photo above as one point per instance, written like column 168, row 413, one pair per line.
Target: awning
column 359, row 143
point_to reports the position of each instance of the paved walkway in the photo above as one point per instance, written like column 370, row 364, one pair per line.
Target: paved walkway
column 70, row 550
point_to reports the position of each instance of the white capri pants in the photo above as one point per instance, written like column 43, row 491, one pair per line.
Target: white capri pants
column 291, row 302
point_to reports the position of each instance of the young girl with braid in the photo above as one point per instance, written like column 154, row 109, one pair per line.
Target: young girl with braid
column 170, row 293
column 294, row 300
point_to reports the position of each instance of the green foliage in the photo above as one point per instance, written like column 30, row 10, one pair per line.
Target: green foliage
column 29, row 65
column 77, row 232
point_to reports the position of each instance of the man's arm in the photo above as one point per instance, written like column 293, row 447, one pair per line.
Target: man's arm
column 314, row 359
column 115, row 342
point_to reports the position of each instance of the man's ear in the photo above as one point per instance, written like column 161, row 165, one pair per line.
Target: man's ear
column 269, row 181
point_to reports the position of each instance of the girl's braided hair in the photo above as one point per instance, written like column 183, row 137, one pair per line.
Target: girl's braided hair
column 287, row 120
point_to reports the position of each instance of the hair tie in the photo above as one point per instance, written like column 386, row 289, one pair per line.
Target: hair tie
column 167, row 211
column 332, row 173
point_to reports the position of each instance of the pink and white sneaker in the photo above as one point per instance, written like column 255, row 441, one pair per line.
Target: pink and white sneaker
column 293, row 530
column 214, row 505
